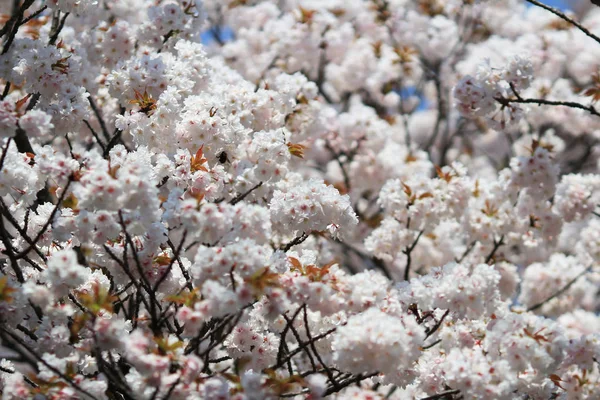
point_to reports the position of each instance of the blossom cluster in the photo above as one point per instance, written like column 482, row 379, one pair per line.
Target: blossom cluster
column 366, row 199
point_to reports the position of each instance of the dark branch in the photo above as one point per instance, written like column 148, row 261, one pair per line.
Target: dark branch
column 564, row 17
column 561, row 291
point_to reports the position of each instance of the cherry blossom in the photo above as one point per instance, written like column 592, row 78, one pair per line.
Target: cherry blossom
column 365, row 199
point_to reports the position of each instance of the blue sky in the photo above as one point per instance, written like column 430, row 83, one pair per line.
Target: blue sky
column 556, row 3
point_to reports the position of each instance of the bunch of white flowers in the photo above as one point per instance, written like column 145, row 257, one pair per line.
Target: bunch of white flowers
column 239, row 200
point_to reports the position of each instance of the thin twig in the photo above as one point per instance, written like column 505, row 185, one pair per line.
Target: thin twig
column 49, row 220
column 437, row 325
column 15, row 340
column 15, row 23
column 348, row 382
column 441, row 114
column 315, row 352
column 113, row 142
column 301, row 346
column 242, row 196
column 98, row 115
column 175, row 257
column 561, row 291
column 408, row 252
column 10, row 252
column 9, row 216
column 565, row 17
column 55, row 32
column 497, row 245
column 466, row 253
column 85, row 121
column 33, row 15
column 571, row 104
column 431, row 344
column 283, row 335
column 448, row 394
column 295, row 242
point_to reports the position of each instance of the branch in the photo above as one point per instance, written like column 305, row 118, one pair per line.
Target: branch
column 15, row 340
column 223, row 334
column 4, row 152
column 441, row 114
column 497, row 245
column 336, row 157
column 184, row 272
column 466, row 253
column 86, row 122
column 316, row 353
column 113, row 142
column 283, row 335
column 242, row 196
column 437, row 325
column 34, row 15
column 571, row 104
column 431, row 344
column 302, row 345
column 57, row 26
column 377, row 263
column 448, row 394
column 154, row 303
column 99, row 117
column 561, row 291
column 48, row 221
column 15, row 23
column 176, row 253
column 563, row 16
column 8, row 215
column 295, row 242
column 348, row 382
column 408, row 252
column 10, row 252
